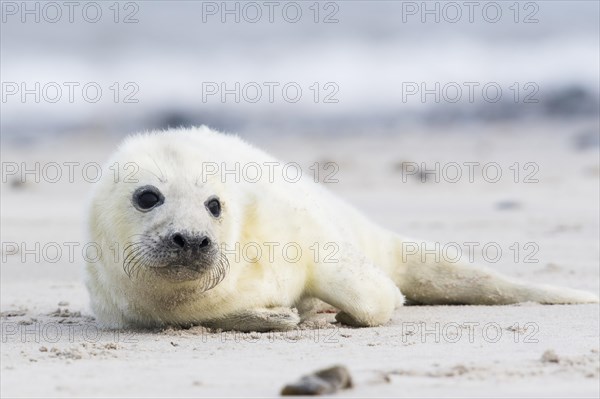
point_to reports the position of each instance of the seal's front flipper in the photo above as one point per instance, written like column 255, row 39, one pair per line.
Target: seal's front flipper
column 260, row 320
column 348, row 320
column 364, row 295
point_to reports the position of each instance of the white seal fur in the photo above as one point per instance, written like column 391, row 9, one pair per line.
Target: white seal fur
column 185, row 260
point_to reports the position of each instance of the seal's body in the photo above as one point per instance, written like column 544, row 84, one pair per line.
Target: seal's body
column 206, row 229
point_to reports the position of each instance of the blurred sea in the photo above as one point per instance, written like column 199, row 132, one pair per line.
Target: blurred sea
column 366, row 62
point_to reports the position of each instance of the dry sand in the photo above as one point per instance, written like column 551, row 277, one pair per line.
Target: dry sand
column 51, row 347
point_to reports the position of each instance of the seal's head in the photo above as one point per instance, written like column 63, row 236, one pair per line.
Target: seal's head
column 174, row 250
column 158, row 218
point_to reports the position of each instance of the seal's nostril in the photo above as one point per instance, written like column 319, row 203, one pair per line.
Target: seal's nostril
column 178, row 240
column 205, row 242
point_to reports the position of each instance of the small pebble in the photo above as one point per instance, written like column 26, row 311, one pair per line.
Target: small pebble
column 322, row 382
column 550, row 357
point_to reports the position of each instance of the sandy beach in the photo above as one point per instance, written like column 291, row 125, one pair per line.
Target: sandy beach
column 542, row 213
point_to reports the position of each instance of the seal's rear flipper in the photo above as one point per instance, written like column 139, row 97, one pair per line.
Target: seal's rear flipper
column 424, row 280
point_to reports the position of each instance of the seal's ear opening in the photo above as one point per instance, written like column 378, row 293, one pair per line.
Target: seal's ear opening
column 146, row 198
column 213, row 205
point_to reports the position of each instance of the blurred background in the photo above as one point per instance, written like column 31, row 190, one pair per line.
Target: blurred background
column 372, row 86
column 330, row 67
column 375, row 87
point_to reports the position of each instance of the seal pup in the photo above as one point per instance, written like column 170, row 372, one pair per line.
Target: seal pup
column 185, row 239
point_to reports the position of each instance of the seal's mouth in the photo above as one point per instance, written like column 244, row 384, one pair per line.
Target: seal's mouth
column 156, row 257
column 177, row 273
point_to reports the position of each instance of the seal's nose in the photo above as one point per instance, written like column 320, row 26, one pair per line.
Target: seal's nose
column 204, row 242
column 178, row 240
column 186, row 241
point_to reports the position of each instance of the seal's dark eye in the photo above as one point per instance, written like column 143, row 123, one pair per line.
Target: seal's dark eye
column 147, row 197
column 214, row 206
column 147, row 200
